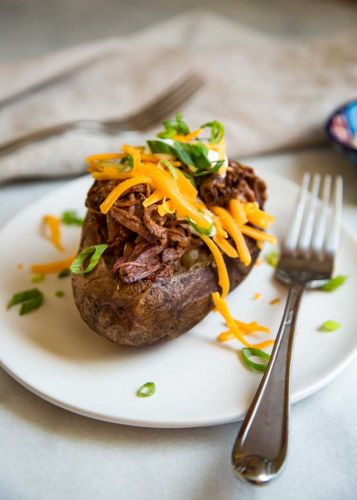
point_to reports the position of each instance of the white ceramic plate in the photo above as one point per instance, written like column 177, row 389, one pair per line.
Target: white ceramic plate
column 198, row 381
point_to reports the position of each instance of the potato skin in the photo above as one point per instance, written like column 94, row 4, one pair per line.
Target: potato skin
column 146, row 312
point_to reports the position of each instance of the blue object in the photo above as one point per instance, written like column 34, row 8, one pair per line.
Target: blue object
column 351, row 116
column 341, row 127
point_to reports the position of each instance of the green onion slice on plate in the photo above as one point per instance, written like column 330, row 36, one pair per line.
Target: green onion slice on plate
column 146, row 390
column 330, row 326
column 94, row 253
column 272, row 258
column 64, row 273
column 70, row 218
column 333, row 283
column 29, row 299
column 249, row 352
column 37, row 277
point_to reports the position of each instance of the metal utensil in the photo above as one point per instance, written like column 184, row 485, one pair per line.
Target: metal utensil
column 162, row 106
column 307, row 257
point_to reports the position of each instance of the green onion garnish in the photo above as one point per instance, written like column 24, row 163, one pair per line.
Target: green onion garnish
column 329, row 326
column 59, row 294
column 272, row 258
column 207, row 231
column 170, row 168
column 70, row 218
column 173, row 127
column 29, row 299
column 146, row 390
column 64, row 274
column 210, row 171
column 37, row 277
column 217, row 130
column 128, row 162
column 249, row 352
column 333, row 283
column 95, row 252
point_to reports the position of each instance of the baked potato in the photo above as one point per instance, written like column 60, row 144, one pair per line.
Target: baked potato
column 149, row 311
column 156, row 278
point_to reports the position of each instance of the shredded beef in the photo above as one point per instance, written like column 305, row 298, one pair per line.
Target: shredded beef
column 240, row 182
column 145, row 245
column 154, row 222
column 139, row 267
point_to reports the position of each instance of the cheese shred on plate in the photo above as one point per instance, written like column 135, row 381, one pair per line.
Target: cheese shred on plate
column 159, row 165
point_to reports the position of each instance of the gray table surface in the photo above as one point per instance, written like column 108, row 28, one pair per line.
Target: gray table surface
column 49, row 453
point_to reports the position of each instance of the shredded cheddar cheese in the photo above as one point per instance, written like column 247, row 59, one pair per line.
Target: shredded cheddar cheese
column 236, row 327
column 223, row 278
column 153, row 198
column 225, row 246
column 120, row 189
column 188, row 137
column 233, row 230
column 237, row 211
column 258, row 235
column 183, row 206
column 54, row 225
column 165, row 208
column 52, row 267
column 104, row 156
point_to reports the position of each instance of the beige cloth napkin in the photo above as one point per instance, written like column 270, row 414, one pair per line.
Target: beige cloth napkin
column 269, row 93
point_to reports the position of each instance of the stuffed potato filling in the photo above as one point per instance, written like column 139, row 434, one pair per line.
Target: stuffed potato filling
column 146, row 244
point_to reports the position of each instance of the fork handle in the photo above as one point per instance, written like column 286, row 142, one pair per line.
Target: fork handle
column 56, row 130
column 261, row 446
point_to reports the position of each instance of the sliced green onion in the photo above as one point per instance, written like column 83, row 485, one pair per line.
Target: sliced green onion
column 70, row 218
column 217, row 130
column 64, row 274
column 146, row 390
column 161, row 147
column 203, row 230
column 95, row 252
column 272, row 258
column 29, row 299
column 212, row 170
column 329, row 326
column 249, row 352
column 171, row 169
column 19, row 297
column 173, row 127
column 31, row 305
column 127, row 161
column 123, row 165
column 195, row 155
column 333, row 283
column 59, row 294
column 37, row 278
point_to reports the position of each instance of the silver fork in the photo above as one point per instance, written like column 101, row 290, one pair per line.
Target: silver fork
column 307, row 259
column 150, row 115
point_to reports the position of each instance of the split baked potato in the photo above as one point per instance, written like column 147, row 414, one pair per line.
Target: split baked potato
column 157, row 274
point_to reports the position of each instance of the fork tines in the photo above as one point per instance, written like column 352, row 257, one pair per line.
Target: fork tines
column 315, row 227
